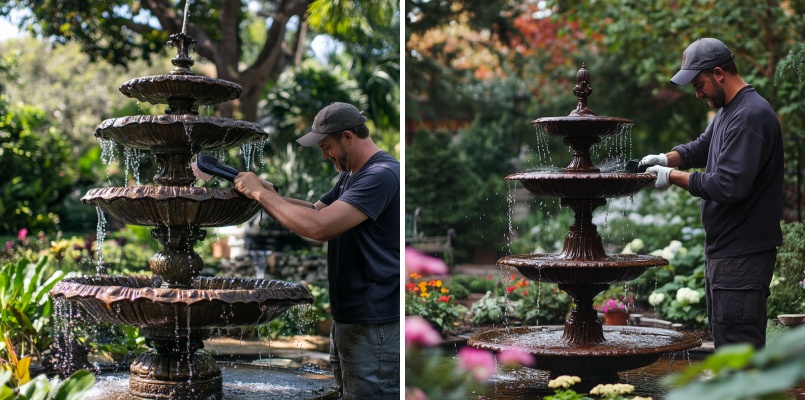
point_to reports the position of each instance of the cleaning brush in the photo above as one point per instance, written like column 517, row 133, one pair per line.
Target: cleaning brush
column 206, row 166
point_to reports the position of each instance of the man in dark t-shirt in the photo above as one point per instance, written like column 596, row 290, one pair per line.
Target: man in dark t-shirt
column 359, row 218
column 741, row 191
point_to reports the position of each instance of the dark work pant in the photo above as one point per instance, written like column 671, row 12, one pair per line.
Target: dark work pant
column 737, row 289
column 366, row 360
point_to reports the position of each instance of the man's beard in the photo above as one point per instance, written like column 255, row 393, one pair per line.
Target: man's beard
column 719, row 98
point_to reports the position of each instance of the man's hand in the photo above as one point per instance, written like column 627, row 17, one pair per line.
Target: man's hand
column 654, row 159
column 250, row 185
column 663, row 176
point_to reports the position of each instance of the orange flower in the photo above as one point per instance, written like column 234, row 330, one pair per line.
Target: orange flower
column 414, row 275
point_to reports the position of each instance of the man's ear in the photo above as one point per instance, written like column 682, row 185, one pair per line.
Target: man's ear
column 348, row 135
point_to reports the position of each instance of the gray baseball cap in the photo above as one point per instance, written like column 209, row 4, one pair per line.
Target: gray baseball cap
column 333, row 118
column 702, row 54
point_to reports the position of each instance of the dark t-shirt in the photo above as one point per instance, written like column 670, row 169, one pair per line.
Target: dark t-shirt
column 741, row 187
column 363, row 263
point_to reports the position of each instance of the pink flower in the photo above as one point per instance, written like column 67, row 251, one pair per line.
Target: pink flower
column 22, row 234
column 8, row 246
column 417, row 262
column 515, row 357
column 418, row 331
column 479, row 363
column 415, row 394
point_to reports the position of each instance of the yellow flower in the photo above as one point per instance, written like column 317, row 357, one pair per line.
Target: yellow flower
column 564, row 381
column 610, row 389
column 424, row 294
column 444, row 290
column 641, row 398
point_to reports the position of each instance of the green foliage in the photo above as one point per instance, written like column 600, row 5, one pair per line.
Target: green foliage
column 458, row 291
column 477, row 284
column 431, row 300
column 787, row 287
column 741, row 372
column 36, row 170
column 491, row 309
column 74, row 387
column 26, row 309
column 543, row 305
column 690, row 310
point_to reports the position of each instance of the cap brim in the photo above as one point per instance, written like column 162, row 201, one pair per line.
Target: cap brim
column 683, row 77
column 310, row 139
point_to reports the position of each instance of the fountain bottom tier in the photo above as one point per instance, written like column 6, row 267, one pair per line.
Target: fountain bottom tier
column 623, row 348
column 176, row 321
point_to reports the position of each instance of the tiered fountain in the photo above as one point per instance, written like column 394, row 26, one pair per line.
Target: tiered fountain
column 583, row 347
column 175, row 308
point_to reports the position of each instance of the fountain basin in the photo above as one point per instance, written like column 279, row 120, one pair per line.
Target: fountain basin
column 582, row 126
column 583, row 185
column 624, row 348
column 555, row 269
column 173, row 205
column 158, row 89
column 209, row 302
column 190, row 133
column 241, row 382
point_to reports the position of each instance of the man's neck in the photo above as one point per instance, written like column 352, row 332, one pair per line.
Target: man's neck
column 732, row 87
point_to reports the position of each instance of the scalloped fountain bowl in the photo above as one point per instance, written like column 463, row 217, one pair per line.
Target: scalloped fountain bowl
column 159, row 89
column 625, row 348
column 582, row 126
column 555, row 269
column 193, row 132
column 582, row 185
column 209, row 303
column 173, row 205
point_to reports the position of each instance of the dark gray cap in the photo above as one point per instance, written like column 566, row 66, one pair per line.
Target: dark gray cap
column 702, row 54
column 334, row 118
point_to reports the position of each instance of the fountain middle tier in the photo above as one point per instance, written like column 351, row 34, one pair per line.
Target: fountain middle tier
column 173, row 206
column 553, row 268
column 583, row 185
column 182, row 132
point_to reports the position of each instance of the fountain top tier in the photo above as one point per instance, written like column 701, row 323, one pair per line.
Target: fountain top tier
column 181, row 89
column 582, row 128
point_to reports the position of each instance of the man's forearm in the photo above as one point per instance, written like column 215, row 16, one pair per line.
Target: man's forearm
column 674, row 159
column 300, row 203
column 679, row 178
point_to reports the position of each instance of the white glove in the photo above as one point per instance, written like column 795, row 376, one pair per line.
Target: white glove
column 663, row 176
column 654, row 159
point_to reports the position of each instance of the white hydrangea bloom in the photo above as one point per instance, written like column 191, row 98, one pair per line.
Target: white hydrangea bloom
column 656, row 298
column 636, row 245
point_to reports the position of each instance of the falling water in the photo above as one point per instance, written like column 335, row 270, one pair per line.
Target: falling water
column 100, row 236
column 107, row 155
column 543, row 152
column 132, row 162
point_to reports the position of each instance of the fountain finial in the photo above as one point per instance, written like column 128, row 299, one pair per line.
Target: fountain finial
column 582, row 90
column 182, row 62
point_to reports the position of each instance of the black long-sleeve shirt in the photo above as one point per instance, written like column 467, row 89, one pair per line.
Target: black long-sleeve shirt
column 742, row 186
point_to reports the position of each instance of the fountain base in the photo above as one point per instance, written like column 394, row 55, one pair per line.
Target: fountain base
column 242, row 381
column 624, row 348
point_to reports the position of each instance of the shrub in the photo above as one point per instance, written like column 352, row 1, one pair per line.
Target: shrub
column 430, row 300
column 787, row 291
column 491, row 309
column 545, row 306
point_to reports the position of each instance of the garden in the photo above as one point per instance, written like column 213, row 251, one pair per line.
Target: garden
column 477, row 75
column 56, row 87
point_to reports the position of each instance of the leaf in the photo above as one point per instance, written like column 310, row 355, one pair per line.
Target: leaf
column 21, row 371
column 74, row 387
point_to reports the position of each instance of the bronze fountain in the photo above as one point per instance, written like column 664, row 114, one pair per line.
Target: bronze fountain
column 583, row 347
column 175, row 308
